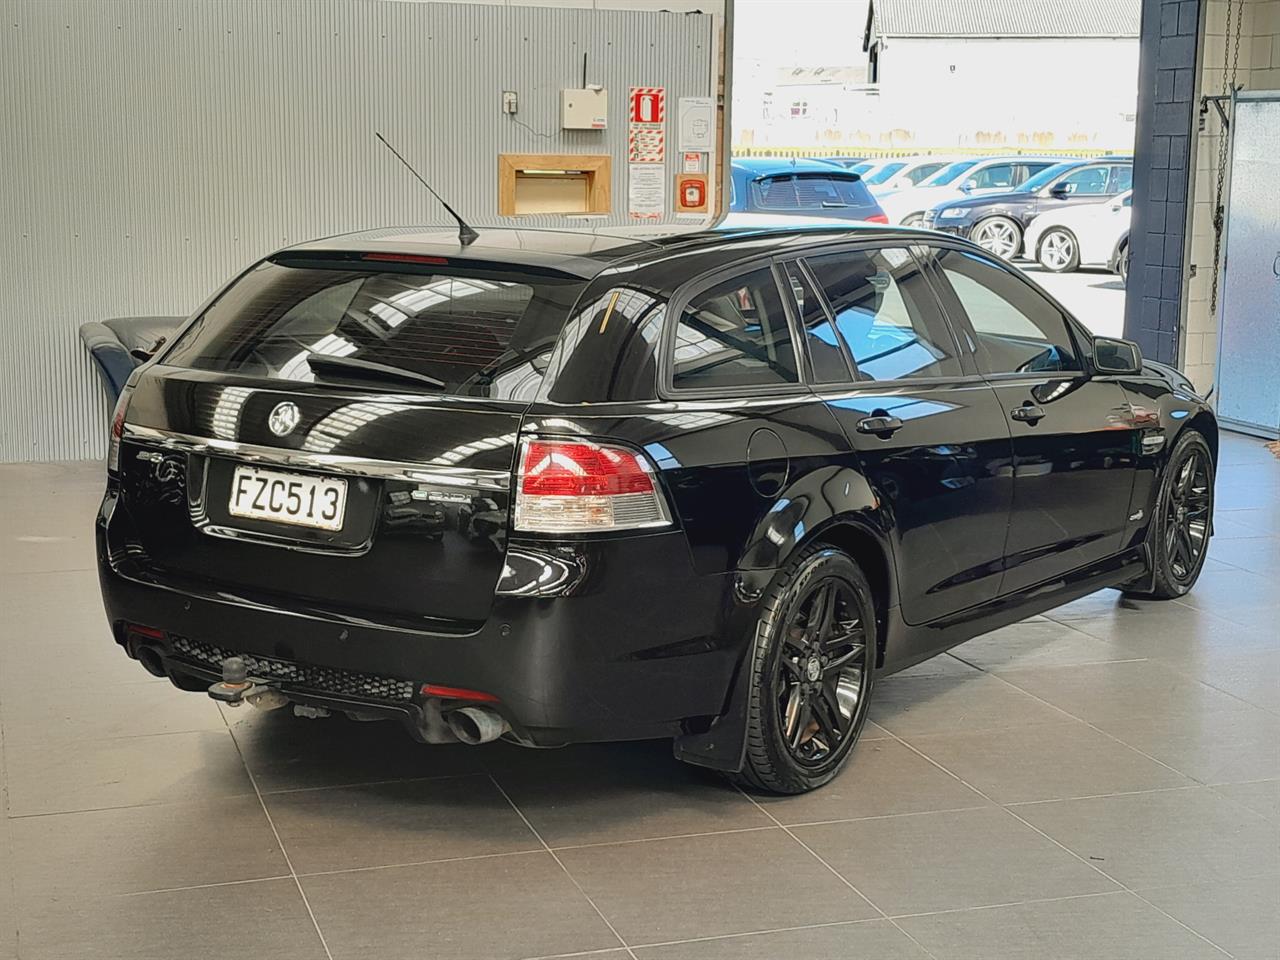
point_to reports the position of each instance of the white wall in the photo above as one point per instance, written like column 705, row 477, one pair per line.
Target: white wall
column 1065, row 92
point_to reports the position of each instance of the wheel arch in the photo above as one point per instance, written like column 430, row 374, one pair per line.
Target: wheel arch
column 872, row 555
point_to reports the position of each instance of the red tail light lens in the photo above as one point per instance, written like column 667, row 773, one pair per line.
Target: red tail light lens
column 877, row 218
column 576, row 486
column 117, row 430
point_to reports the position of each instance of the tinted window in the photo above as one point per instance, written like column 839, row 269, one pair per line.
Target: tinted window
column 829, row 365
column 951, row 173
column 1121, row 179
column 1017, row 329
column 885, row 172
column 734, row 334
column 1022, row 172
column 483, row 333
column 1085, row 182
column 993, row 177
column 887, row 315
column 809, row 191
column 923, row 172
column 1046, row 176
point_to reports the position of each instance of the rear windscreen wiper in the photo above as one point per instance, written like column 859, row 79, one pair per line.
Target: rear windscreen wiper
column 321, row 363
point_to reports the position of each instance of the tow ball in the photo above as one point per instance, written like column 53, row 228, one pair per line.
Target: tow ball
column 237, row 687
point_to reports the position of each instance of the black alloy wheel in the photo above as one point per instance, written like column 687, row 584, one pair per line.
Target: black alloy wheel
column 1183, row 521
column 813, row 670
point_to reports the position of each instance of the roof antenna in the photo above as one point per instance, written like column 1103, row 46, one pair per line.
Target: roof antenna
column 466, row 235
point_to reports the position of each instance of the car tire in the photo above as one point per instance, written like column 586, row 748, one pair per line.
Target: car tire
column 1059, row 251
column 1122, row 264
column 999, row 235
column 1182, row 521
column 913, row 220
column 812, row 670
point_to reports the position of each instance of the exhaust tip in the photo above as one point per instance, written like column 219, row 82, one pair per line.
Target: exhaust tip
column 476, row 725
column 151, row 659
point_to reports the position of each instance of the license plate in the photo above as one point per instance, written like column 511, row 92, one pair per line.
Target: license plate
column 292, row 498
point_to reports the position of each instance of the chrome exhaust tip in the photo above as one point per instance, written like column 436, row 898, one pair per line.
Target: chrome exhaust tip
column 475, row 725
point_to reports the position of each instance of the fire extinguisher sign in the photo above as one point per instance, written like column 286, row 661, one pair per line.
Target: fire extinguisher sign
column 646, row 133
column 648, row 104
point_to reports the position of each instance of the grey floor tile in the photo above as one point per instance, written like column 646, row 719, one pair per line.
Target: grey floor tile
column 1035, row 643
column 943, row 665
column 134, row 849
column 488, row 909
column 266, row 919
column 1157, row 838
column 1260, row 796
column 124, row 710
column 1113, row 927
column 1237, row 595
column 1101, row 603
column 285, row 752
column 949, row 861
column 1254, row 678
column 916, row 705
column 8, row 906
column 1259, row 555
column 612, row 801
column 404, row 821
column 1174, row 631
column 71, row 775
column 1241, row 916
column 1048, row 761
column 883, row 778
column 1232, row 741
column 660, row 890
column 862, row 940
column 1112, row 691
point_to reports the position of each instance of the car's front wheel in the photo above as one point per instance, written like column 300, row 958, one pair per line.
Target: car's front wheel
column 913, row 220
column 1182, row 522
column 812, row 671
column 999, row 235
column 1059, row 251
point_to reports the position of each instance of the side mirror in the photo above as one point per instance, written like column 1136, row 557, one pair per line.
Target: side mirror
column 969, row 185
column 1117, row 205
column 1116, row 356
column 1060, row 190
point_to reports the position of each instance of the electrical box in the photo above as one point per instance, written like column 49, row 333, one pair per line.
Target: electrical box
column 586, row 109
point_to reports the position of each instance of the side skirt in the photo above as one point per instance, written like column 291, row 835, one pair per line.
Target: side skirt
column 909, row 645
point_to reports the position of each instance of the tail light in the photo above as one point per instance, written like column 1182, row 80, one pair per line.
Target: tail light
column 877, row 218
column 117, row 431
column 576, row 486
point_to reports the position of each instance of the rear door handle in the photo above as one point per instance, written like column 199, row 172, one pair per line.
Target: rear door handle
column 1028, row 413
column 880, row 426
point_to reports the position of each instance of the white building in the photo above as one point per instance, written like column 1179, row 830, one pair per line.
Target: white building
column 972, row 73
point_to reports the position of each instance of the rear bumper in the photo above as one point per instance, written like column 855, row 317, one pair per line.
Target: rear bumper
column 630, row 642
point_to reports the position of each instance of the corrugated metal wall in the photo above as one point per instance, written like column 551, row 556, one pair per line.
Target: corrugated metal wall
column 149, row 150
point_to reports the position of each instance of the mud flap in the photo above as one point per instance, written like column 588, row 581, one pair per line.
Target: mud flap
column 723, row 747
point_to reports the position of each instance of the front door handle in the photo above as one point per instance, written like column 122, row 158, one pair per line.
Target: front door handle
column 1028, row 413
column 883, row 427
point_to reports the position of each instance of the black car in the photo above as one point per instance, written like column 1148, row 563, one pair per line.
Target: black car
column 997, row 221
column 707, row 487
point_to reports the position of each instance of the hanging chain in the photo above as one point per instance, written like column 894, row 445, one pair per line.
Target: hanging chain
column 1231, row 49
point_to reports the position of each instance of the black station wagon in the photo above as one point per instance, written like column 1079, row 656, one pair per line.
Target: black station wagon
column 562, row 487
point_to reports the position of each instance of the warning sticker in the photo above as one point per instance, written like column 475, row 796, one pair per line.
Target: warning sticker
column 646, row 145
column 646, row 131
column 645, row 191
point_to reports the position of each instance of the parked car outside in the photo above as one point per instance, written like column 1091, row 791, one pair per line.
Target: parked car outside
column 960, row 178
column 1082, row 236
column 997, row 222
column 801, row 188
column 708, row 487
column 904, row 172
column 845, row 162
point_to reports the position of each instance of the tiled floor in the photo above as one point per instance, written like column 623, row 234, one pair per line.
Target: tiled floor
column 1100, row 783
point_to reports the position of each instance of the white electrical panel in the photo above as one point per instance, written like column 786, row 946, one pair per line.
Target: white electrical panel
column 586, row 109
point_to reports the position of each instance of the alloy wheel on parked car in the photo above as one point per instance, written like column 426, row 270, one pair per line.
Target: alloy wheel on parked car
column 999, row 235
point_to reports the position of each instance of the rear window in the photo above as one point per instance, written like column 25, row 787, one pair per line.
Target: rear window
column 481, row 333
column 809, row 191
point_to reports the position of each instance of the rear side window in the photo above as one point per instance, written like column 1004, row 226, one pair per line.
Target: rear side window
column 887, row 314
column 809, row 191
column 734, row 334
column 481, row 333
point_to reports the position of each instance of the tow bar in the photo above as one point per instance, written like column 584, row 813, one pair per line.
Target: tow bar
column 237, row 687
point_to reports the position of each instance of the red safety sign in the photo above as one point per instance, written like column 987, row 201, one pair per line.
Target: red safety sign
column 648, row 104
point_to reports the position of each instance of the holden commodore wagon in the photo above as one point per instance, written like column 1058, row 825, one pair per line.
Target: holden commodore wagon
column 562, row 487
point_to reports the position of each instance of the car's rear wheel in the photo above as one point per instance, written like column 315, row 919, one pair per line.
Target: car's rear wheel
column 1183, row 520
column 812, row 672
column 1059, row 251
column 1122, row 264
column 999, row 235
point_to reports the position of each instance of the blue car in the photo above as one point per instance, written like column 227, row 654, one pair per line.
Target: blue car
column 806, row 188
